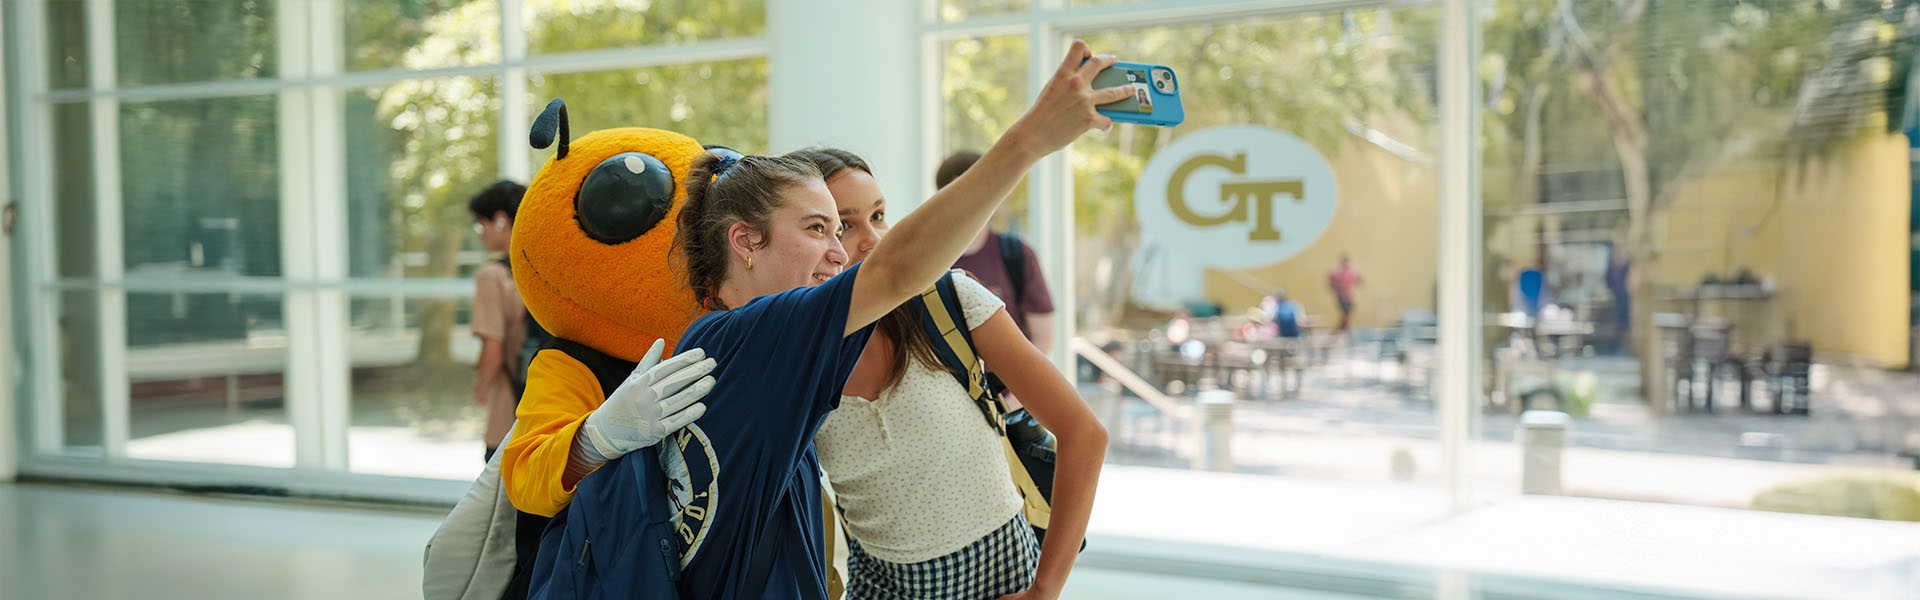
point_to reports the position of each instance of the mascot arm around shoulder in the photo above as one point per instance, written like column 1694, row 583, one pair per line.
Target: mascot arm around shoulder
column 591, row 258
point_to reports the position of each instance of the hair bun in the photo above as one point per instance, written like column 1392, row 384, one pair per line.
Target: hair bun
column 720, row 166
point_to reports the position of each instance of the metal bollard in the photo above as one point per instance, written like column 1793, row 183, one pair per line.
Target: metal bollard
column 1215, row 412
column 1542, row 438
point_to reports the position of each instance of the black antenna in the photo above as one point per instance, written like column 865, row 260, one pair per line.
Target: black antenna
column 550, row 121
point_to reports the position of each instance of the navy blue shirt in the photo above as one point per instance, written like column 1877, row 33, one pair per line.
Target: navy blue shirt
column 749, row 464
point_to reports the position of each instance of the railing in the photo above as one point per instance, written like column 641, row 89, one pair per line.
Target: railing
column 1130, row 380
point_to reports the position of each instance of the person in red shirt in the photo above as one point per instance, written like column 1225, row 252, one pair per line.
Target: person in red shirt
column 1343, row 280
column 1007, row 265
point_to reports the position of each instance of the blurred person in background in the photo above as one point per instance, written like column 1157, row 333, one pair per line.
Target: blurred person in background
column 498, row 315
column 1287, row 316
column 1342, row 280
column 1008, row 267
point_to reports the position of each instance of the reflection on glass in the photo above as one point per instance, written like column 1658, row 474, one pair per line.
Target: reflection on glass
column 1708, row 274
column 416, row 151
column 556, row 26
column 421, row 34
column 721, row 103
column 413, row 406
column 206, row 379
column 984, row 82
column 1325, row 398
column 67, row 44
column 73, row 208
column 958, row 10
column 229, row 40
column 200, row 188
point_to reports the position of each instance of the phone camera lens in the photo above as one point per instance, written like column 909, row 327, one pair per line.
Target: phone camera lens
column 1160, row 85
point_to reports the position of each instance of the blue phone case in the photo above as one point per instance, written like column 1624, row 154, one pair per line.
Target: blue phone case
column 1162, row 104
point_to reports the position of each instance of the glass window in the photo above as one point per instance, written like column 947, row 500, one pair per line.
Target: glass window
column 1266, row 195
column 960, row 10
column 200, row 188
column 416, row 151
column 558, row 26
column 73, row 192
column 80, row 370
column 206, row 378
column 414, row 412
column 421, row 34
column 984, row 81
column 232, row 39
column 721, row 103
column 1698, row 250
column 67, row 44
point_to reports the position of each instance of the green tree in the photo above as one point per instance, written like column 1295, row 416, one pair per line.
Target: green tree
column 1680, row 87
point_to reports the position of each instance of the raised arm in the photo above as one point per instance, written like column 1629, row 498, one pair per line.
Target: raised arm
column 924, row 245
column 1082, row 442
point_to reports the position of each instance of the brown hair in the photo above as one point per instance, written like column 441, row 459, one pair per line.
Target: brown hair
column 746, row 190
column 902, row 324
column 951, row 168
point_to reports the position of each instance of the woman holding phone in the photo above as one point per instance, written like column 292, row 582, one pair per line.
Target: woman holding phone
column 930, row 507
column 790, row 319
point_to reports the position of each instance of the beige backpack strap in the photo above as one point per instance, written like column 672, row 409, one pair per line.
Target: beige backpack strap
column 830, row 526
column 956, row 340
column 1034, row 506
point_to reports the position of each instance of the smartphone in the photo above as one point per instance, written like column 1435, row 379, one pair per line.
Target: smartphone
column 1156, row 94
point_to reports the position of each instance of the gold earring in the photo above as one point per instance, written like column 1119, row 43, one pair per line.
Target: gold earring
column 749, row 263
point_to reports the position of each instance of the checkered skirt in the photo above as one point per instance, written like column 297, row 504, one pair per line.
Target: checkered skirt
column 1001, row 563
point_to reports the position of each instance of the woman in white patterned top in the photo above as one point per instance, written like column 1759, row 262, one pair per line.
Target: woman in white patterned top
column 930, row 507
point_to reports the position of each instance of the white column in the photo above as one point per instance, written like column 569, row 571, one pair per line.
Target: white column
column 1459, row 265
column 327, row 130
column 313, row 233
column 9, row 438
column 515, row 119
column 40, row 303
column 849, row 87
column 109, row 235
column 1050, row 188
column 932, row 100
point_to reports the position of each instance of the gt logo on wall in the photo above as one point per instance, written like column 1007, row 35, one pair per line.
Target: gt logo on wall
column 1236, row 196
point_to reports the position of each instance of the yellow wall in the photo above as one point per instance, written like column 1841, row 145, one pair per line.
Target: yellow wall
column 1387, row 221
column 1831, row 233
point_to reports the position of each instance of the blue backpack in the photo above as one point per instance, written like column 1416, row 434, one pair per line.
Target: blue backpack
column 616, row 538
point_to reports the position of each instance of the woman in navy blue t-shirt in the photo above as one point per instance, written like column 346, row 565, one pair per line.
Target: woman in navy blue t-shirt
column 761, row 239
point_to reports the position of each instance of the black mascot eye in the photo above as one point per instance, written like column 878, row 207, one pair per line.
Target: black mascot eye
column 624, row 197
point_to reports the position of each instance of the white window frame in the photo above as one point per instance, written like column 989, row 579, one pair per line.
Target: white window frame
column 309, row 88
column 1050, row 24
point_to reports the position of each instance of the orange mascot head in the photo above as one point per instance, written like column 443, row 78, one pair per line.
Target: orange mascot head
column 593, row 239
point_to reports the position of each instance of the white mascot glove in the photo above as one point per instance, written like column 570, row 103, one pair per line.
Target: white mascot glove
column 657, row 399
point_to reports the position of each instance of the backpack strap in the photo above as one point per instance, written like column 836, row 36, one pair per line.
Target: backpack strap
column 945, row 322
column 1013, row 257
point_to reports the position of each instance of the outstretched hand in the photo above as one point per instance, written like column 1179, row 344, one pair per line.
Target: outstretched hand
column 1065, row 108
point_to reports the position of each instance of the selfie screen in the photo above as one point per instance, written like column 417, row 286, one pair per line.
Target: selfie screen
column 1142, row 100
